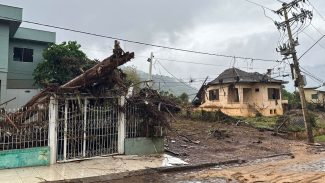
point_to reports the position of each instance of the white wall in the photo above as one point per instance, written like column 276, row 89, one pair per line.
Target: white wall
column 22, row 97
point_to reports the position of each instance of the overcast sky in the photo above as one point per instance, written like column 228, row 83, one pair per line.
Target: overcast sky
column 232, row 27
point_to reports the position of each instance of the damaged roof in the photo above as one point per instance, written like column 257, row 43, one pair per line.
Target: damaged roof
column 321, row 89
column 234, row 75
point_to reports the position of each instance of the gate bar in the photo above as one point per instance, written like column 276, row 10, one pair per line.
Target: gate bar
column 65, row 130
column 85, row 127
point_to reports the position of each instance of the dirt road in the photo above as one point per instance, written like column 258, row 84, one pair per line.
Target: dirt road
column 305, row 167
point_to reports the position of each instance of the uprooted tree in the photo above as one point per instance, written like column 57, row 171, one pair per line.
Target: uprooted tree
column 103, row 80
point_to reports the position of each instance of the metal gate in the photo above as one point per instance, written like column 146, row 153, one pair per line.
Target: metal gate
column 87, row 128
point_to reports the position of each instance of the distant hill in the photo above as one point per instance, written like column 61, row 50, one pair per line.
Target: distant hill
column 172, row 85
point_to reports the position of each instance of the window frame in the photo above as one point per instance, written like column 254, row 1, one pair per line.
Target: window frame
column 23, row 55
column 237, row 97
column 214, row 92
column 278, row 94
column 312, row 96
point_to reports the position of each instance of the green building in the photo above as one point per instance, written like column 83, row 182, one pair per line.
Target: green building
column 20, row 51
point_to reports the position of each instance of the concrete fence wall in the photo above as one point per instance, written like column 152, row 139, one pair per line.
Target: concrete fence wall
column 38, row 156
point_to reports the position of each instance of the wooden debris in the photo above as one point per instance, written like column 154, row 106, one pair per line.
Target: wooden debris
column 103, row 72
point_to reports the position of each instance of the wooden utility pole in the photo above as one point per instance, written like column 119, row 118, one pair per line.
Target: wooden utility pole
column 291, row 50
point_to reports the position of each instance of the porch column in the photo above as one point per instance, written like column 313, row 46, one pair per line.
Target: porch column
column 121, row 125
column 53, row 116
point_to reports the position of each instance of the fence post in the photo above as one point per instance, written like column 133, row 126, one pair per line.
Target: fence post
column 53, row 116
column 121, row 125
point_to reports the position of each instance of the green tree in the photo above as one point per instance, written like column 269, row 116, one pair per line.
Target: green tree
column 293, row 98
column 62, row 63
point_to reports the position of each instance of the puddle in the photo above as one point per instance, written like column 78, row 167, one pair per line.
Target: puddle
column 318, row 166
column 172, row 161
column 172, row 178
column 252, row 162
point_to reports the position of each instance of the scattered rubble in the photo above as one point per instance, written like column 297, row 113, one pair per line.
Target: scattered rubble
column 291, row 121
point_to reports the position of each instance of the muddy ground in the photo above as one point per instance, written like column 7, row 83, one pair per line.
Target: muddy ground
column 308, row 165
column 199, row 142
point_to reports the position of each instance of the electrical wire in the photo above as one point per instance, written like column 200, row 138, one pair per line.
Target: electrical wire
column 309, row 36
column 139, row 42
column 260, row 5
column 316, row 10
column 175, row 76
column 311, row 47
column 310, row 74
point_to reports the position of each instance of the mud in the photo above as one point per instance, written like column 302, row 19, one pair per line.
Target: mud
column 304, row 167
column 195, row 142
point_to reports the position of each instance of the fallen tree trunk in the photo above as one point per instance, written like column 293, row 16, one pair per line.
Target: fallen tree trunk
column 100, row 70
column 89, row 77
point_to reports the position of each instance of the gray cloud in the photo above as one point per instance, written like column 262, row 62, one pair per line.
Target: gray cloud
column 233, row 27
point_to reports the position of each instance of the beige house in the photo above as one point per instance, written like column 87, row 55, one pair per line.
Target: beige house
column 315, row 95
column 239, row 93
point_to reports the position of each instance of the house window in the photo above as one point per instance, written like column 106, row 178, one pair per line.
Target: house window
column 314, row 96
column 214, row 94
column 23, row 54
column 247, row 95
column 273, row 93
column 257, row 90
column 233, row 96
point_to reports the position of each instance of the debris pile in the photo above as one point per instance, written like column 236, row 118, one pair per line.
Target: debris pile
column 102, row 80
column 157, row 110
column 97, row 80
column 291, row 121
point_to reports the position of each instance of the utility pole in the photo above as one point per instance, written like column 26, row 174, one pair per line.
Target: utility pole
column 150, row 82
column 290, row 49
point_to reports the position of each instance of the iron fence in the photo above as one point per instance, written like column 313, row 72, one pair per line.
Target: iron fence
column 135, row 124
column 24, row 128
column 87, row 128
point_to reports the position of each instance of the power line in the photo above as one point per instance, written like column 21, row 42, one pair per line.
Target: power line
column 311, row 47
column 280, row 1
column 322, row 17
column 139, row 42
column 260, row 5
column 313, row 39
column 311, row 75
column 313, row 78
column 199, row 63
column 320, row 32
column 174, row 76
